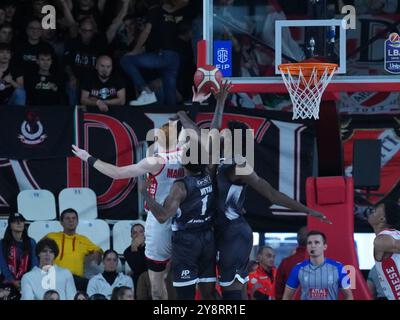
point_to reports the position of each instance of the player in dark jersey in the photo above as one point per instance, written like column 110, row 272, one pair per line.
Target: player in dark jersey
column 191, row 204
column 234, row 237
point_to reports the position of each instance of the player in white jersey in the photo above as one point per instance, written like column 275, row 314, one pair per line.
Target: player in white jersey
column 163, row 169
column 385, row 220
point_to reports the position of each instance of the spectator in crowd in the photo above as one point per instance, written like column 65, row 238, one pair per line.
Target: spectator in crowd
column 74, row 248
column 253, row 265
column 37, row 6
column 125, row 37
column 5, row 293
column 159, row 36
column 26, row 51
column 143, row 288
column 88, row 9
column 6, row 33
column 81, row 54
column 2, row 15
column 122, row 293
column 11, row 79
column 187, row 66
column 17, row 253
column 288, row 263
column 262, row 280
column 103, row 88
column 374, row 285
column 98, row 296
column 117, row 21
column 80, row 295
column 44, row 87
column 134, row 254
column 54, row 39
column 319, row 278
column 55, row 278
column 51, row 295
column 10, row 9
column 105, row 282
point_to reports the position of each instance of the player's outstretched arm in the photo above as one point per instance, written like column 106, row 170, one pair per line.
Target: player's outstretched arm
column 221, row 97
column 265, row 189
column 171, row 203
column 147, row 165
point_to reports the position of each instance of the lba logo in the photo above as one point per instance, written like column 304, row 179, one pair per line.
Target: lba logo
column 392, row 54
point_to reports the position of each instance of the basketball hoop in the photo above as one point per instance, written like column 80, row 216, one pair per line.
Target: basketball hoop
column 306, row 82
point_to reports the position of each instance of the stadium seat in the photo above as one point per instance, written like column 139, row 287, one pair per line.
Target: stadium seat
column 127, row 268
column 38, row 229
column 122, row 234
column 97, row 231
column 83, row 200
column 3, row 227
column 334, row 196
column 37, row 205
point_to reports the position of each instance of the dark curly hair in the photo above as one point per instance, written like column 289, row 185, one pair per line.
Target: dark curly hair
column 47, row 242
column 392, row 213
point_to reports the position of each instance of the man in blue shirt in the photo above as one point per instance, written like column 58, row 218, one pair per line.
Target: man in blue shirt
column 319, row 278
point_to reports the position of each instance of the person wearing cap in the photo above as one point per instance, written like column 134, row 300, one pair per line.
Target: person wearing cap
column 47, row 276
column 74, row 248
column 17, row 253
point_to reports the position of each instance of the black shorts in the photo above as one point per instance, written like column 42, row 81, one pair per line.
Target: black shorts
column 156, row 266
column 234, row 243
column 193, row 257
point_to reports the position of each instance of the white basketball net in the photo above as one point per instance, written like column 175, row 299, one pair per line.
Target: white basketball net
column 306, row 92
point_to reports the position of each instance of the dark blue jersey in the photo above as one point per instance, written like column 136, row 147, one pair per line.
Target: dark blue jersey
column 196, row 211
column 231, row 196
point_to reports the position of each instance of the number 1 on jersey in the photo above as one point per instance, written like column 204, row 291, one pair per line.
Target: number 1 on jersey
column 204, row 206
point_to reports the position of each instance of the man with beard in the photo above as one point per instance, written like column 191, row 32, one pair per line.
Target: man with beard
column 103, row 89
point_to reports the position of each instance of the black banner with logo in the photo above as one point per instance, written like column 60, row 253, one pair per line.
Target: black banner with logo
column 37, row 132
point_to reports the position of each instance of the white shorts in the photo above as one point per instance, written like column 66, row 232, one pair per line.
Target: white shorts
column 158, row 239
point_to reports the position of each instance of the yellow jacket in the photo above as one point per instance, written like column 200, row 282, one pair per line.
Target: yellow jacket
column 73, row 250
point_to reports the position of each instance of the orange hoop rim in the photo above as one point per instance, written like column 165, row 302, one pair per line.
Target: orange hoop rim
column 307, row 67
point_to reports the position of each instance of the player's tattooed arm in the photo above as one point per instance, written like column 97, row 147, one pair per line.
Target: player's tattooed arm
column 171, row 204
column 265, row 189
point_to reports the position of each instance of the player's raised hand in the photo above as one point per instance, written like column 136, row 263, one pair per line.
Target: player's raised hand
column 320, row 216
column 199, row 96
column 80, row 153
column 222, row 94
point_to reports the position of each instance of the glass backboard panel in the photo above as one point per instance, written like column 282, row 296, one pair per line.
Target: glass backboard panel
column 250, row 28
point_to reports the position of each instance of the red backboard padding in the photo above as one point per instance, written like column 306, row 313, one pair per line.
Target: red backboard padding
column 323, row 194
column 330, row 190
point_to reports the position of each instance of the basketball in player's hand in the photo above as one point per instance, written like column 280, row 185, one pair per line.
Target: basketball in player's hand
column 208, row 78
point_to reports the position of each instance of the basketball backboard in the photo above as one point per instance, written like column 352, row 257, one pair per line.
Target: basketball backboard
column 261, row 34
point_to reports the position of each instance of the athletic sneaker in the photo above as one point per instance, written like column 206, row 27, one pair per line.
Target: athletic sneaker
column 143, row 99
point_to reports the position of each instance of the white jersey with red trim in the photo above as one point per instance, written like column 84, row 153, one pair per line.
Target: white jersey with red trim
column 158, row 235
column 388, row 270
